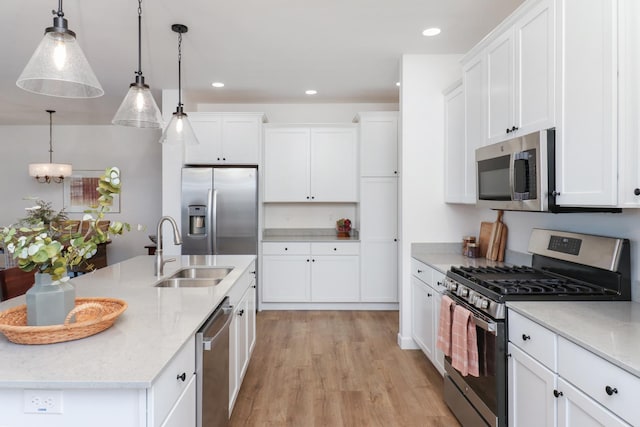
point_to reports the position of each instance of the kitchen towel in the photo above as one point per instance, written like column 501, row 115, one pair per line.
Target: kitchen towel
column 464, row 347
column 444, row 325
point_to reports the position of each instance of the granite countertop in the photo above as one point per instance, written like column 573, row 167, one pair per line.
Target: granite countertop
column 306, row 235
column 133, row 352
column 609, row 329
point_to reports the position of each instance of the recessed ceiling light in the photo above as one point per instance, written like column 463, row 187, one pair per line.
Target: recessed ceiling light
column 430, row 32
column 311, row 92
column 217, row 84
column 398, row 84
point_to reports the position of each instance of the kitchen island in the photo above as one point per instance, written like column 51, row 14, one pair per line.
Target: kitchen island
column 123, row 363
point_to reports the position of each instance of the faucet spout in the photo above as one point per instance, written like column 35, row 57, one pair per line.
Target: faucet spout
column 177, row 239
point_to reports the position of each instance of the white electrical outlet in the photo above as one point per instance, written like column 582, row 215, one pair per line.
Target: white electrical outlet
column 42, row 401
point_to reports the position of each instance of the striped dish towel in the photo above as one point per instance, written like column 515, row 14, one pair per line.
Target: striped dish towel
column 464, row 350
column 444, row 325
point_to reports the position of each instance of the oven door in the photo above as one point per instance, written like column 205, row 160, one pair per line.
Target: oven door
column 484, row 396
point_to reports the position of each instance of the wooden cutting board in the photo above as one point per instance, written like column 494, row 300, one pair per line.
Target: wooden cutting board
column 503, row 243
column 494, row 241
column 483, row 238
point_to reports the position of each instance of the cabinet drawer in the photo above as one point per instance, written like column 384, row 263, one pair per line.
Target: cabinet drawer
column 286, row 248
column 534, row 339
column 333, row 248
column 167, row 387
column 241, row 285
column 421, row 270
column 593, row 374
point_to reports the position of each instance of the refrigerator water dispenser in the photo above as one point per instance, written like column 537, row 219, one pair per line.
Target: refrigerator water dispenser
column 197, row 217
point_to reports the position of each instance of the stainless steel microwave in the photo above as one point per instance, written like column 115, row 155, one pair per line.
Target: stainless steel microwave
column 520, row 175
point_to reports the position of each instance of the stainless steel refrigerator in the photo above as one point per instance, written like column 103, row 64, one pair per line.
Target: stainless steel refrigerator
column 219, row 210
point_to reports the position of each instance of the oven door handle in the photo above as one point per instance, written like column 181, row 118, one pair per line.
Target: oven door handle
column 490, row 327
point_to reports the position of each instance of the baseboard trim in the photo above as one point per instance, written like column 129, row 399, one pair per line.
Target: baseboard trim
column 407, row 343
column 328, row 306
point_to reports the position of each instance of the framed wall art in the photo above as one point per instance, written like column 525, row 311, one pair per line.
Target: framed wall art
column 80, row 192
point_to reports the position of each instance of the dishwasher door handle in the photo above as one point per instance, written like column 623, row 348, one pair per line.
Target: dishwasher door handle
column 207, row 342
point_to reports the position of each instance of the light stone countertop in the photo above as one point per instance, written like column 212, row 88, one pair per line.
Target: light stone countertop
column 443, row 256
column 610, row 329
column 130, row 354
column 306, row 235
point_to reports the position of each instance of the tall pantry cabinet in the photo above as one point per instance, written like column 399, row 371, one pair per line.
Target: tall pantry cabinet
column 378, row 206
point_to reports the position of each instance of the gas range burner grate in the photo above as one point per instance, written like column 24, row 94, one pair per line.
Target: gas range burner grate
column 541, row 286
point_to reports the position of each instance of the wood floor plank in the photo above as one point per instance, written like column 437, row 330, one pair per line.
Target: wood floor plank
column 337, row 368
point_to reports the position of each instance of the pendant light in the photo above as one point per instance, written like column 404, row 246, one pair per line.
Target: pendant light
column 179, row 130
column 50, row 172
column 58, row 67
column 139, row 109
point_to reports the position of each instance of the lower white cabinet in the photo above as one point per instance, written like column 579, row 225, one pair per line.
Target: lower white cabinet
column 311, row 272
column 183, row 412
column 242, row 336
column 531, row 399
column 427, row 285
column 583, row 390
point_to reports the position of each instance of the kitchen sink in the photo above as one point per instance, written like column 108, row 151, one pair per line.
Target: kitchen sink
column 195, row 277
column 188, row 283
column 202, row 273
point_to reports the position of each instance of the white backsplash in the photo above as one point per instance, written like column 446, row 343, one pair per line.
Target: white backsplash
column 308, row 215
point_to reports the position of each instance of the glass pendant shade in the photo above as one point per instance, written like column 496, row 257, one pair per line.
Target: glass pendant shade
column 59, row 68
column 138, row 109
column 179, row 131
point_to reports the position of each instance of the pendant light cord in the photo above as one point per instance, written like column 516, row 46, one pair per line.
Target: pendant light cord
column 139, row 72
column 51, row 134
column 179, row 69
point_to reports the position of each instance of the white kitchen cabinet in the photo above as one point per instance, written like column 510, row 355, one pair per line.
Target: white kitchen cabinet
column 310, row 164
column 422, row 297
column 225, row 138
column 520, row 75
column 242, row 332
column 310, row 272
column 576, row 409
column 427, row 285
column 335, row 278
column 378, row 235
column 629, row 95
column 460, row 179
column 554, row 382
column 378, row 143
column 586, row 130
column 475, row 99
column 531, row 387
column 183, row 412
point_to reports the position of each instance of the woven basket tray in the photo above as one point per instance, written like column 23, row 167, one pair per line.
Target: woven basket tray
column 92, row 315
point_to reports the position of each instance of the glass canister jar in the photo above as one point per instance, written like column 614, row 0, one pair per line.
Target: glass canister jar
column 465, row 243
column 473, row 250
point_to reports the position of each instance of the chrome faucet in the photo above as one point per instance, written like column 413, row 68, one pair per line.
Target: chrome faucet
column 160, row 262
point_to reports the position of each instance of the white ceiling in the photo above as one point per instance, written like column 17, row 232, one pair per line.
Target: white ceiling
column 263, row 50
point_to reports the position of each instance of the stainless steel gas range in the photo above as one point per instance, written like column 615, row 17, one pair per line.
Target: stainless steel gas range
column 565, row 267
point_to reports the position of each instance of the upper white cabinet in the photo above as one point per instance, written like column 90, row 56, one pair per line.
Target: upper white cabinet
column 225, row 138
column 310, row 164
column 460, row 181
column 520, row 75
column 629, row 97
column 378, row 143
column 586, row 132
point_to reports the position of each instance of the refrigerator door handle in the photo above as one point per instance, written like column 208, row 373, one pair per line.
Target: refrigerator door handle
column 210, row 225
column 214, row 219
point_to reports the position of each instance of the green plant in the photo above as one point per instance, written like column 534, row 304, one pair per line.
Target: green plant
column 43, row 213
column 54, row 247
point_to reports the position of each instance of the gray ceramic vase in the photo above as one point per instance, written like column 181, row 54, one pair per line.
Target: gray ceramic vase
column 47, row 303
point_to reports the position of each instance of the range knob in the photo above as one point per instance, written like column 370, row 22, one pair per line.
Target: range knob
column 451, row 285
column 482, row 303
column 463, row 292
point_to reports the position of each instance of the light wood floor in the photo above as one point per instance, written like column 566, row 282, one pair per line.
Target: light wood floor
column 337, row 368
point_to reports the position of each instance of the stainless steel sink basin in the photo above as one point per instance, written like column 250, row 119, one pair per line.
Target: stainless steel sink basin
column 195, row 277
column 202, row 273
column 188, row 283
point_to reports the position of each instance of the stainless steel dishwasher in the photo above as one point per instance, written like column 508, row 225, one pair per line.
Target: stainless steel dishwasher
column 212, row 368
